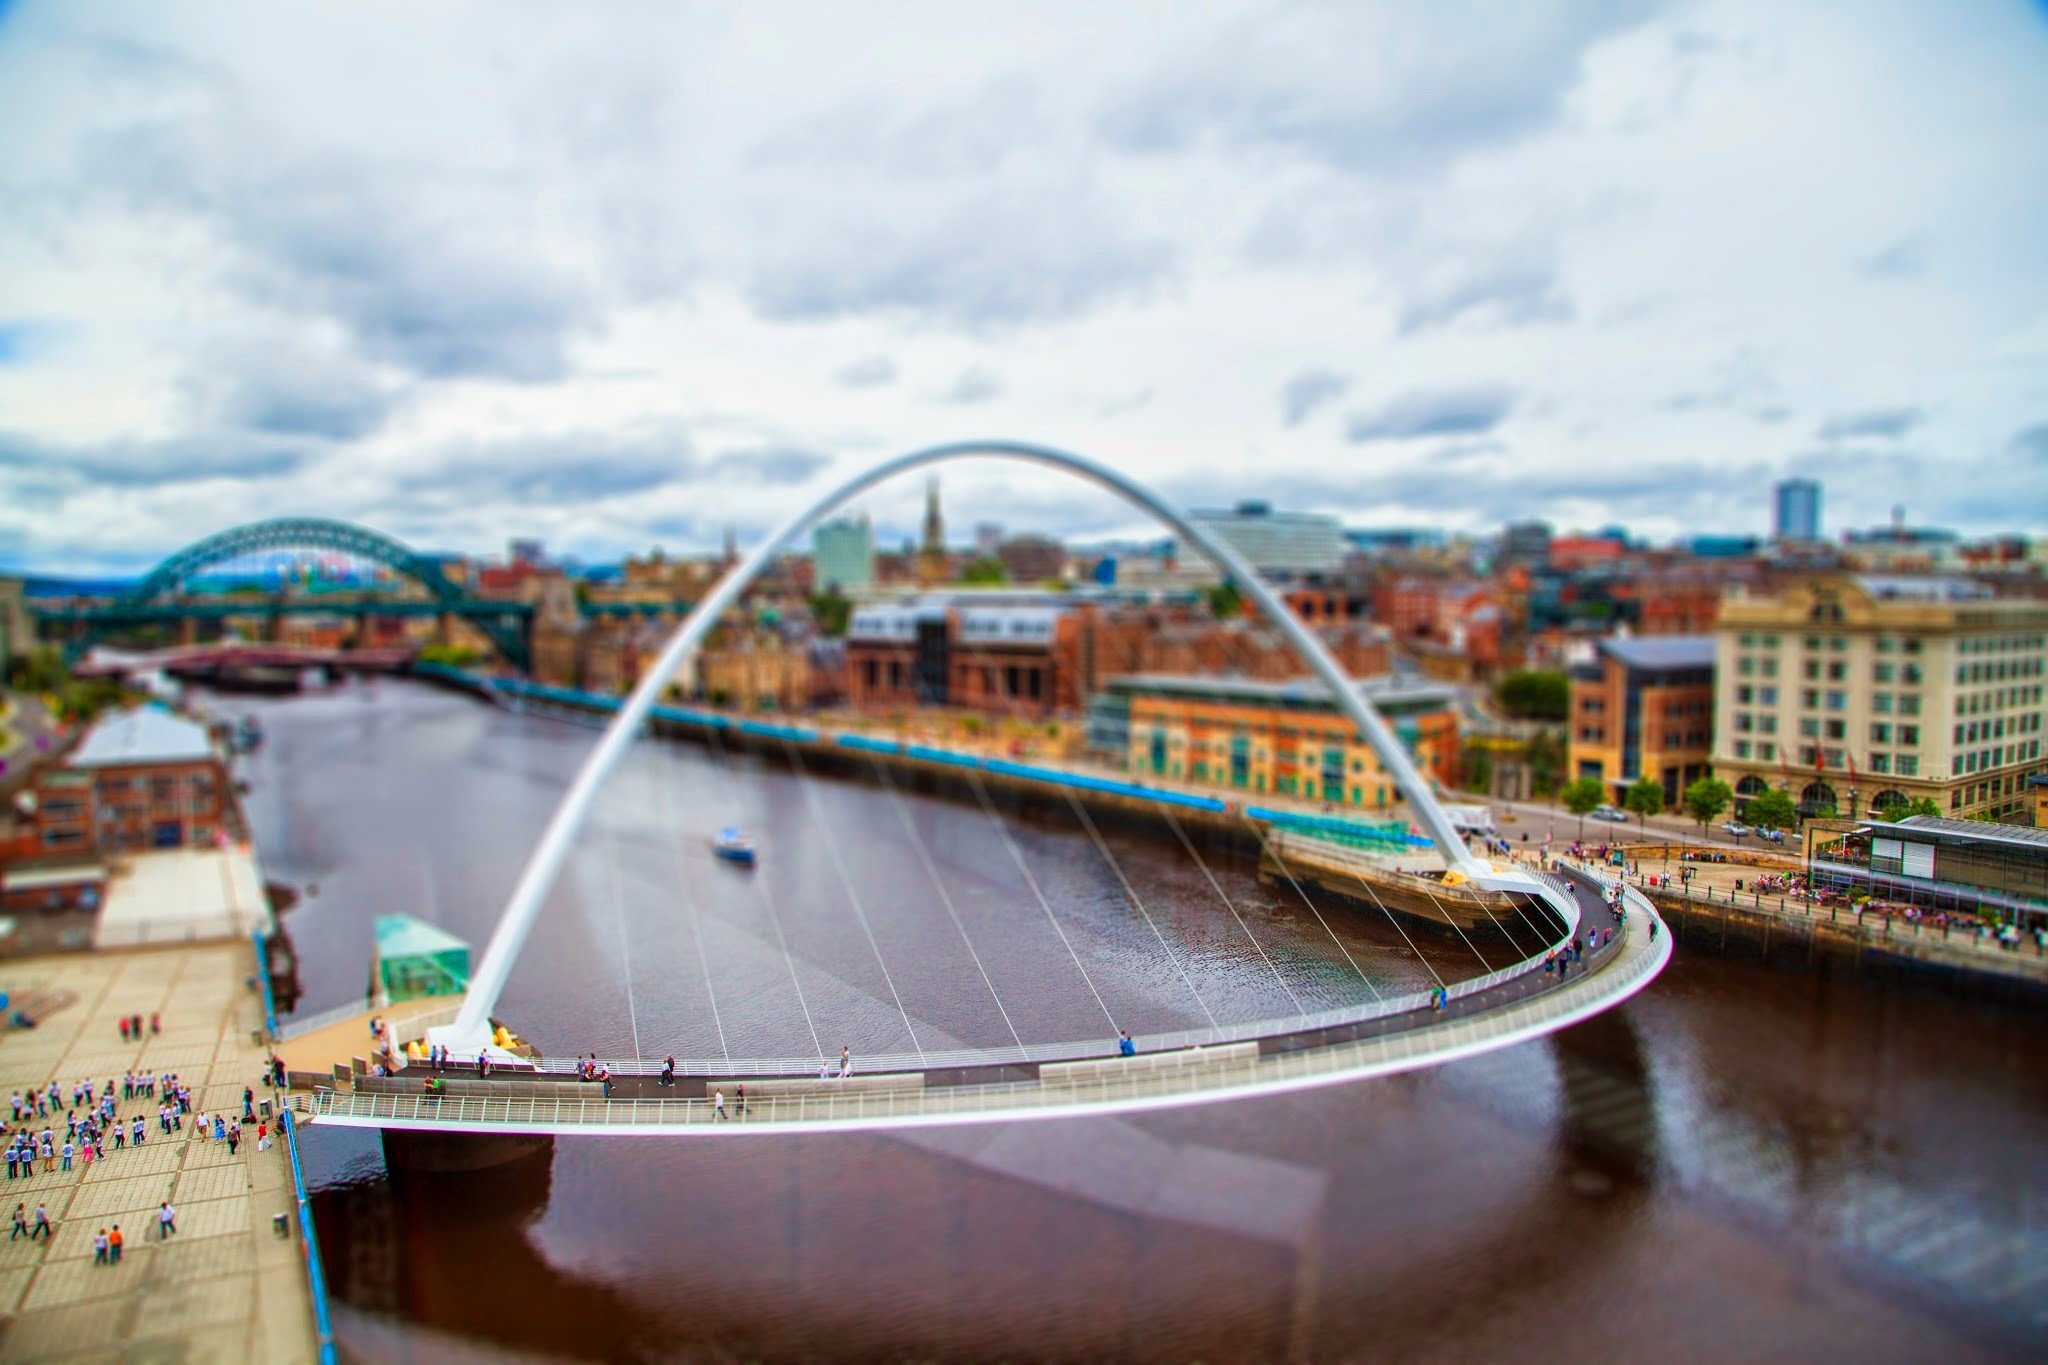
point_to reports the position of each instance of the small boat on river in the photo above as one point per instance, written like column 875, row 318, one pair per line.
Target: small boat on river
column 733, row 847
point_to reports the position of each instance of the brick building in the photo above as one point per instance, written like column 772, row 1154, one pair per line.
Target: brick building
column 1644, row 708
column 1284, row 738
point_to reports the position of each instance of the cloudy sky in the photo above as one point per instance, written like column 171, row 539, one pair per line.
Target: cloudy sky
column 621, row 275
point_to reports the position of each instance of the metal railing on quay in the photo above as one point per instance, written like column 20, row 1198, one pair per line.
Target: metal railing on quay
column 299, row 1025
column 1870, row 926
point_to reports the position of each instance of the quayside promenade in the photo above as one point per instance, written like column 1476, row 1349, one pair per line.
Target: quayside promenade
column 229, row 1284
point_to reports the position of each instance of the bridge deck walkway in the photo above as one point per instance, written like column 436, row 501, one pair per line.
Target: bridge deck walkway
column 1512, row 1012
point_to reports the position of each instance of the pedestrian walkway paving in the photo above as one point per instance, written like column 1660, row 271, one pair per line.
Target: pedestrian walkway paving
column 225, row 1285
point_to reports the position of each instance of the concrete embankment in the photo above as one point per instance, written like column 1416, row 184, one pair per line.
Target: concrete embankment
column 1763, row 925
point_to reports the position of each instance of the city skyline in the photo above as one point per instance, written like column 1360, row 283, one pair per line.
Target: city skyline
column 626, row 282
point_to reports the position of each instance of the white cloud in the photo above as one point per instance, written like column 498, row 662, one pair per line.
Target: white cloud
column 607, row 275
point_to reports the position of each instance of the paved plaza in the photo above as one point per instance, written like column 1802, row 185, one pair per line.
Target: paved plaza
column 225, row 1286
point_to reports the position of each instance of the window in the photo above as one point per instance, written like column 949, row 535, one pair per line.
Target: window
column 1908, row 765
column 1809, row 727
column 1880, row 762
column 1768, row 723
column 1881, row 673
column 1909, row 734
column 1766, row 750
column 1745, row 665
column 1835, row 729
column 1770, row 668
column 1744, row 695
column 1812, row 670
column 1838, row 670
column 1809, row 697
column 1881, row 703
column 1909, row 704
column 1880, row 733
column 1768, row 696
column 1837, row 699
column 1742, row 748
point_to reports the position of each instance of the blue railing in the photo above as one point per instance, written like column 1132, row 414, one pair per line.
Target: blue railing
column 309, row 1244
column 1347, row 831
column 263, row 975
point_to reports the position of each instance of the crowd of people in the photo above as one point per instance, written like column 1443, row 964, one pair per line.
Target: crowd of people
column 97, row 1121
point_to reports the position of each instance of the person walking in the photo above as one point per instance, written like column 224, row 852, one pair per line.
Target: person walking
column 155, row 1026
column 20, row 1223
column 69, row 1152
column 1124, row 1046
column 718, row 1104
column 166, row 1220
column 114, row 1245
column 234, row 1137
column 845, row 1062
column 668, row 1071
column 248, row 1105
column 740, row 1098
column 124, row 1028
column 100, row 1247
column 604, row 1076
column 42, row 1228
column 263, row 1137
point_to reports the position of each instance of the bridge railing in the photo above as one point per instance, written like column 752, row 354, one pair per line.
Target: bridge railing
column 299, row 1025
column 1193, row 1076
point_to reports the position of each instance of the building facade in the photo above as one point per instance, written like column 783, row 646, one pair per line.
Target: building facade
column 1795, row 510
column 1283, row 739
column 138, row 780
column 1855, row 692
column 1644, row 708
column 843, row 555
column 1279, row 544
column 17, row 634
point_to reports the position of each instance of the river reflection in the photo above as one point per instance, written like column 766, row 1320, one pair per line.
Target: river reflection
column 1751, row 1159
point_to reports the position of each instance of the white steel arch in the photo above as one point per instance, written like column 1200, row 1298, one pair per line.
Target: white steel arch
column 471, row 1029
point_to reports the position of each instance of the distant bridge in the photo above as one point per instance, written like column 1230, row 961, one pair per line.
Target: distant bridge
column 157, row 601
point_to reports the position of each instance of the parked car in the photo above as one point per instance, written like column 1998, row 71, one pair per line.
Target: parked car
column 1610, row 813
column 1737, row 828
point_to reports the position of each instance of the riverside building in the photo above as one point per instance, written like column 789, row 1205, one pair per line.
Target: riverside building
column 1644, row 708
column 1857, row 692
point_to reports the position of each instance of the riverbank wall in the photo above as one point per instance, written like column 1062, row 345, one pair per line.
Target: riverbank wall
column 1764, row 926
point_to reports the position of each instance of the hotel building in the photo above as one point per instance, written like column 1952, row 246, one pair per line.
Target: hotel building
column 1855, row 692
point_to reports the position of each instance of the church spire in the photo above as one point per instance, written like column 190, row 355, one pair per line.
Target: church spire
column 931, row 566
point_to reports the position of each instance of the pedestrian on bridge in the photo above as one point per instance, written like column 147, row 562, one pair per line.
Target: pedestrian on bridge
column 740, row 1098
column 668, row 1071
column 1124, row 1046
column 604, row 1076
column 845, row 1062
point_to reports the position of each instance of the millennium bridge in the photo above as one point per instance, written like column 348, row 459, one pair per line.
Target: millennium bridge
column 1612, row 955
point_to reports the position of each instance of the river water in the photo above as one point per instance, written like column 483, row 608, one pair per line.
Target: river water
column 1765, row 1159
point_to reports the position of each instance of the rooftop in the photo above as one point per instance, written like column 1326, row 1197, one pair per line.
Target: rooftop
column 1921, row 588
column 148, row 734
column 1661, row 651
column 1974, row 831
column 405, row 936
column 1380, row 690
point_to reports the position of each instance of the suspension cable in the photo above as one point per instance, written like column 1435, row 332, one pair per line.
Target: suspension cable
column 852, row 895
column 1088, row 823
column 931, row 869
column 1017, row 856
column 691, row 915
column 625, row 951
column 774, row 919
column 1217, row 887
column 1391, row 919
column 1302, row 892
